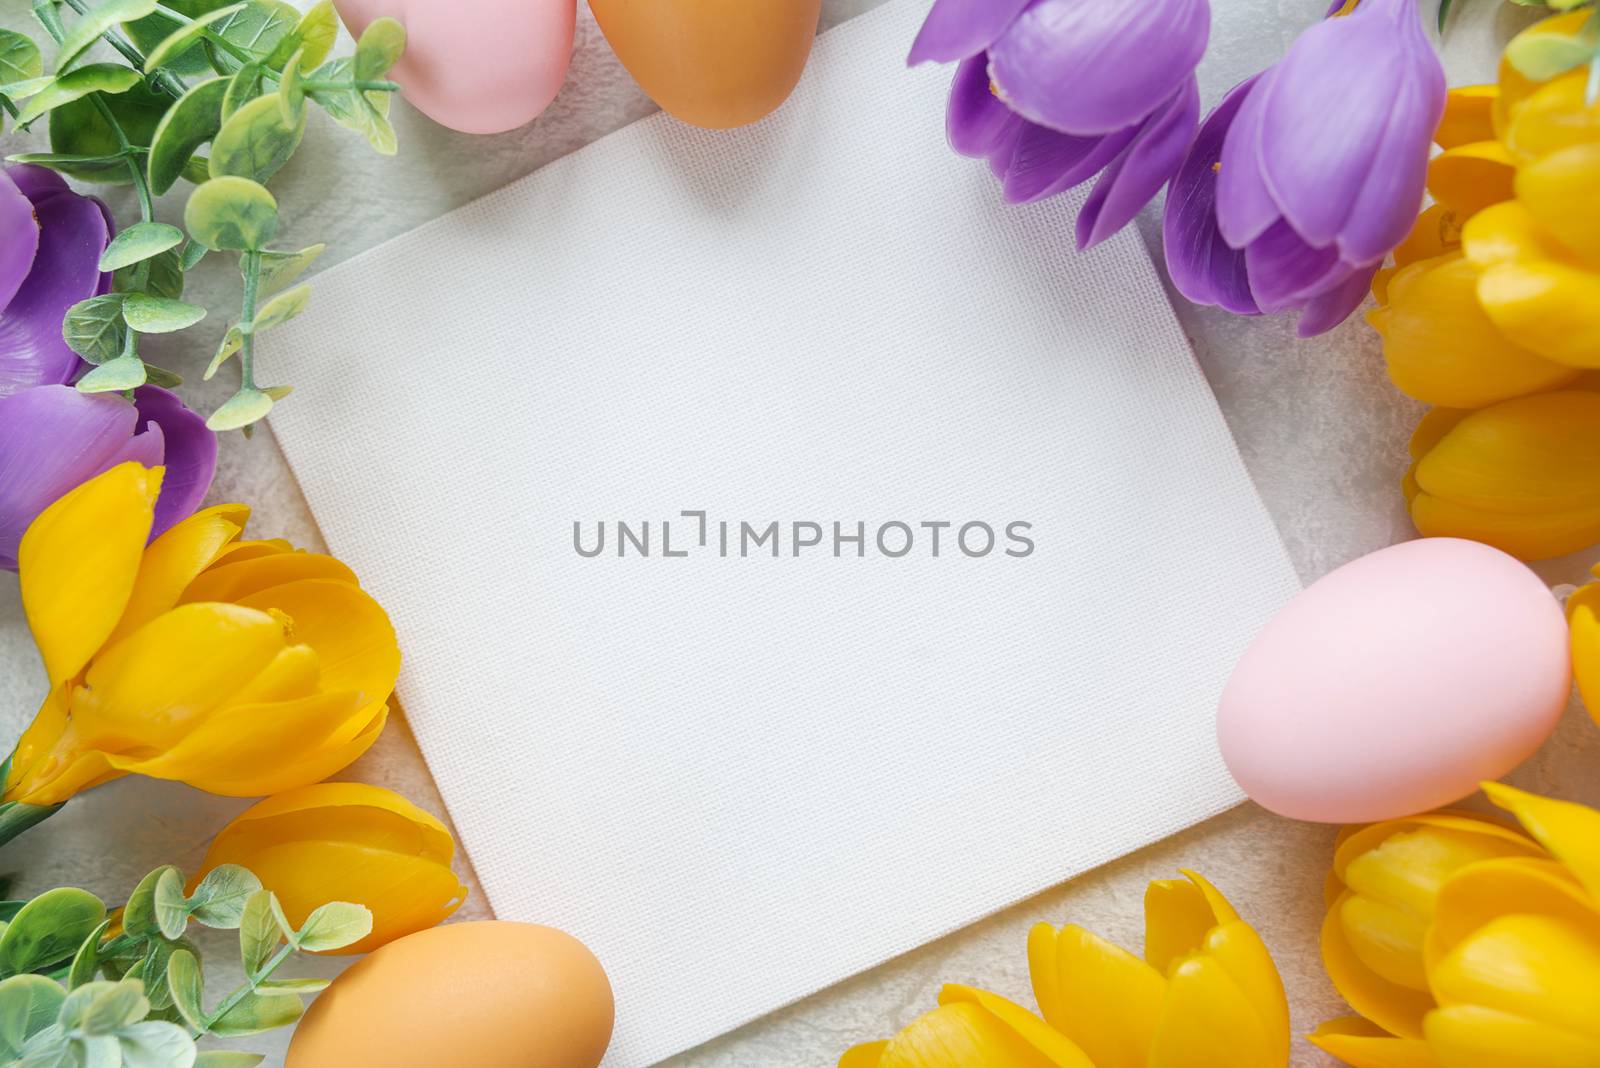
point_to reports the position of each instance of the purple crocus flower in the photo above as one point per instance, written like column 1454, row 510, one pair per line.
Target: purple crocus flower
column 1306, row 176
column 50, row 244
column 1055, row 92
column 52, row 438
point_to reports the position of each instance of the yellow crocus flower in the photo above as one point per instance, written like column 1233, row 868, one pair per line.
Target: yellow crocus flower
column 1522, row 475
column 1510, row 950
column 1382, row 897
column 346, row 841
column 241, row 667
column 1205, row 995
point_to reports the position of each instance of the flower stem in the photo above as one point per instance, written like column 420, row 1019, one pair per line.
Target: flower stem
column 250, row 985
column 251, row 267
column 16, row 817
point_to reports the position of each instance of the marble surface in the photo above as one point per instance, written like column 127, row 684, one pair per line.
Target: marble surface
column 1321, row 430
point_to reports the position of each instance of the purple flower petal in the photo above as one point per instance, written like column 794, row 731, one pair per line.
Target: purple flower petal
column 1096, row 66
column 1245, row 208
column 190, row 454
column 1204, row 268
column 1343, row 84
column 1146, row 165
column 51, row 439
column 1334, row 306
column 976, row 121
column 1285, row 271
column 956, row 29
column 19, row 239
column 66, row 269
column 1047, row 162
column 37, row 183
column 1391, row 196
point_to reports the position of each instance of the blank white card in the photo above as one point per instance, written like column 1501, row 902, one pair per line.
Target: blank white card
column 768, row 734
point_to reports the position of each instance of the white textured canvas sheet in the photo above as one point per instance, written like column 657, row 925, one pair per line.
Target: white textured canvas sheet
column 742, row 778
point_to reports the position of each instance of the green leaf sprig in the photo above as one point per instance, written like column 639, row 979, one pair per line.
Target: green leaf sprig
column 194, row 73
column 73, row 994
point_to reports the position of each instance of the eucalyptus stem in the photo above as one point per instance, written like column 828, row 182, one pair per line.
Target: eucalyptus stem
column 16, row 817
column 251, row 267
column 252, row 982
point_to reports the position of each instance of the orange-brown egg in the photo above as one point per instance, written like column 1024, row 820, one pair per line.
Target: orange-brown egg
column 490, row 994
column 714, row 63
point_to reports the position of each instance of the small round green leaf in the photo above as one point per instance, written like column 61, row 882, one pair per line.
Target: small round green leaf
column 114, row 376
column 244, row 408
column 172, row 908
column 256, row 140
column 281, row 308
column 1540, row 56
column 95, row 78
column 259, row 1012
column 259, row 931
column 111, row 1010
column 220, row 898
column 230, row 343
column 94, row 328
column 20, row 59
column 243, row 87
column 159, row 315
column 334, row 926
column 78, row 129
column 278, row 269
column 227, row 1058
column 317, row 30
column 87, row 959
column 231, row 213
column 379, row 48
column 188, row 124
column 186, row 986
column 155, row 1044
column 291, row 90
column 260, row 28
column 150, row 31
column 139, row 242
column 28, row 1004
column 49, row 929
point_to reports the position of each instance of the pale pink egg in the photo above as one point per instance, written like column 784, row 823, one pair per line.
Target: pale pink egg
column 1397, row 683
column 478, row 66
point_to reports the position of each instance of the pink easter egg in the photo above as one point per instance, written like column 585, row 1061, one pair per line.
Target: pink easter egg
column 478, row 66
column 1396, row 683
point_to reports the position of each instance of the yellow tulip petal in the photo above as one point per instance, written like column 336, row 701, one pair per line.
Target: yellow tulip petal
column 1583, row 617
column 1359, row 1044
column 1480, row 893
column 1220, row 908
column 1468, row 178
column 960, row 1035
column 1395, row 1008
column 236, row 580
column 1103, row 998
column 1570, row 831
column 349, row 630
column 1549, row 308
column 1527, row 537
column 312, row 765
column 1552, row 118
column 1440, row 346
column 1208, row 1022
column 1408, row 866
column 1508, row 233
column 254, row 745
column 77, row 563
column 1470, row 1036
column 1176, row 919
column 1435, row 232
column 1537, row 967
column 158, row 683
column 1056, row 1047
column 866, row 1055
column 1240, row 951
column 174, row 559
column 252, row 550
column 367, row 814
column 1432, row 427
column 1468, row 116
column 1561, row 191
column 42, row 737
column 1528, row 455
